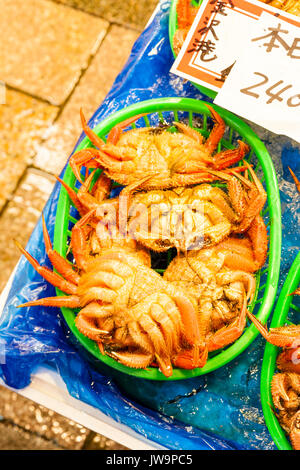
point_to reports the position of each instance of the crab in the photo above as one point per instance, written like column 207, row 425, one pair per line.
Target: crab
column 186, row 14
column 285, row 386
column 172, row 158
column 221, row 289
column 185, row 218
column 133, row 314
column 191, row 218
column 285, row 389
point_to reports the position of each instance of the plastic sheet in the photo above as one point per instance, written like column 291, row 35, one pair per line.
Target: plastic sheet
column 218, row 411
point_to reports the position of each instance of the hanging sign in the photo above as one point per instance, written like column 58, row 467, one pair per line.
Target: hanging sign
column 264, row 84
column 217, row 37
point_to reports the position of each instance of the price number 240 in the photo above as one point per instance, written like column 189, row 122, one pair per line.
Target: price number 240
column 274, row 92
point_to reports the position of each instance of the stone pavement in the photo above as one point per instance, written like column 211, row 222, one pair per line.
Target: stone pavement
column 55, row 57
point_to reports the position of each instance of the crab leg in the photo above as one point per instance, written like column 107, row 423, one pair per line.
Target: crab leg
column 284, row 336
column 116, row 131
column 259, row 239
column 190, row 323
column 135, row 360
column 78, row 241
column 87, row 158
column 73, row 196
column 58, row 262
column 229, row 334
column 50, row 276
column 185, row 359
column 94, row 138
column 228, row 157
column 217, row 133
column 297, row 182
column 191, row 132
column 70, row 301
column 87, row 327
column 108, row 162
column 197, row 173
column 278, row 389
column 101, row 191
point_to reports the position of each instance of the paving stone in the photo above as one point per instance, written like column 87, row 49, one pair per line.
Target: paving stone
column 23, row 121
column 44, row 46
column 20, row 216
column 98, row 442
column 14, row 438
column 39, row 420
column 93, row 87
column 133, row 13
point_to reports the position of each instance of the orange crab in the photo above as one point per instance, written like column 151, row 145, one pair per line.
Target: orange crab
column 133, row 314
column 186, row 14
column 185, row 218
column 285, row 389
column 221, row 281
column 285, row 386
column 172, row 159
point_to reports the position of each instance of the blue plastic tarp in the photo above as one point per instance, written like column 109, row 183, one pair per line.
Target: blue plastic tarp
column 221, row 410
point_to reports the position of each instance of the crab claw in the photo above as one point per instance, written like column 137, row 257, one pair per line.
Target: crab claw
column 284, row 336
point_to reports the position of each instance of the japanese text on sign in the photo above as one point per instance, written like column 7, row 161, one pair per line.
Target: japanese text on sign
column 264, row 83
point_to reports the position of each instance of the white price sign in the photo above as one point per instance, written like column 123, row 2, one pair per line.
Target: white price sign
column 264, row 84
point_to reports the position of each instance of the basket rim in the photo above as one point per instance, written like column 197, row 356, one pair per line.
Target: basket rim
column 280, row 315
column 172, row 29
column 195, row 106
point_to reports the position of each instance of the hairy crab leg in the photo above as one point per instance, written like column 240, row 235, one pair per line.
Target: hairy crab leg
column 228, row 157
column 58, row 262
column 87, row 327
column 70, row 301
column 217, row 132
column 85, row 157
column 102, row 190
column 190, row 323
column 73, row 196
column 50, row 276
column 191, row 132
column 229, row 334
column 78, row 240
column 283, row 336
column 259, row 238
column 115, row 132
column 134, row 360
column 94, row 138
column 185, row 359
column 278, row 390
column 296, row 181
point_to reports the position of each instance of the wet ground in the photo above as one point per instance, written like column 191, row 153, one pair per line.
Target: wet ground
column 55, row 57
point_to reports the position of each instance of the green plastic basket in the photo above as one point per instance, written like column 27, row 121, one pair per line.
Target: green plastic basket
column 172, row 29
column 283, row 307
column 176, row 109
